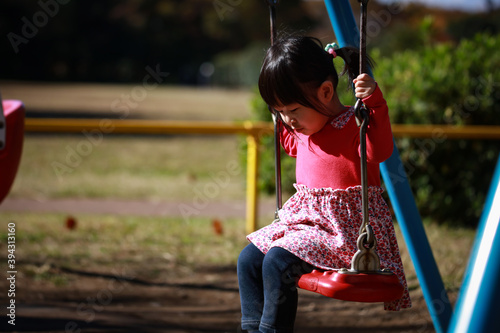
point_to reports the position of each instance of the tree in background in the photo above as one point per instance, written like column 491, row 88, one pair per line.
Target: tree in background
column 113, row 41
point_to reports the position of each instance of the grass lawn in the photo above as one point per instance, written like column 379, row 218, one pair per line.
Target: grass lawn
column 128, row 167
column 131, row 167
column 98, row 242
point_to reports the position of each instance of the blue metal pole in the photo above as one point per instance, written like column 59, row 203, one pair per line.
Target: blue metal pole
column 343, row 22
column 408, row 217
column 400, row 194
column 478, row 307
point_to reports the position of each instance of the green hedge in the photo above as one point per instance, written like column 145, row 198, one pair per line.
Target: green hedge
column 446, row 84
column 436, row 84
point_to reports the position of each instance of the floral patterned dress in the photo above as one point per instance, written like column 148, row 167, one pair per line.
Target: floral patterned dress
column 320, row 224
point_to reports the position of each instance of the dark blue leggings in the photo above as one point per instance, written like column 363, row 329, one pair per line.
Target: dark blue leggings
column 268, row 289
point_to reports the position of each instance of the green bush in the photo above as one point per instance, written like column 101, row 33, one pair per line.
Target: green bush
column 446, row 84
column 435, row 84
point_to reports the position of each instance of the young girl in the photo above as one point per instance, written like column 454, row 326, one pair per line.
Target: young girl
column 318, row 226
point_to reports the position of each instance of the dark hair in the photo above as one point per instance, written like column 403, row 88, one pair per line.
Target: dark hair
column 294, row 66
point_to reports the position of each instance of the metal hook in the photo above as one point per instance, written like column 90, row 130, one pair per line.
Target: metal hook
column 366, row 259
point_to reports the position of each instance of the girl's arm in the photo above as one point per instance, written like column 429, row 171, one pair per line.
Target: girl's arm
column 379, row 141
column 288, row 141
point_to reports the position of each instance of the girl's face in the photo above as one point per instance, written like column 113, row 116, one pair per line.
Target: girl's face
column 302, row 119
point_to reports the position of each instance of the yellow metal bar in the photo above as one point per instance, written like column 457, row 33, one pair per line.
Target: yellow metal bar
column 252, row 176
column 142, row 126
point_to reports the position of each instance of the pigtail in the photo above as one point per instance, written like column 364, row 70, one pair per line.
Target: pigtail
column 350, row 55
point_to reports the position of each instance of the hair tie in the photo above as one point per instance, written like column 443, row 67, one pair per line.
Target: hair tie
column 330, row 48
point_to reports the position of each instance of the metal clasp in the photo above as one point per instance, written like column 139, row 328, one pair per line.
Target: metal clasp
column 366, row 259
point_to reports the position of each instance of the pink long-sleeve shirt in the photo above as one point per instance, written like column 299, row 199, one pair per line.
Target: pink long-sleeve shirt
column 330, row 158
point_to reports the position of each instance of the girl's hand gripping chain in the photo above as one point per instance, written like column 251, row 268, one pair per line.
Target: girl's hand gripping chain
column 364, row 86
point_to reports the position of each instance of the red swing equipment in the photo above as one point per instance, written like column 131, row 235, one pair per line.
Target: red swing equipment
column 364, row 281
column 11, row 142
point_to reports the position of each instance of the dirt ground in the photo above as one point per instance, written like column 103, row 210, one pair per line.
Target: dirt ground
column 126, row 299
column 129, row 297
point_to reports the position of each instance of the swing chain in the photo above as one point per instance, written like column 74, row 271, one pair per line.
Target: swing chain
column 363, row 116
column 276, row 120
column 277, row 162
column 362, row 120
column 366, row 258
column 272, row 18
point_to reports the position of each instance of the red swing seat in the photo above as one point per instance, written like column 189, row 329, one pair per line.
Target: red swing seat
column 364, row 282
column 358, row 287
column 11, row 143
